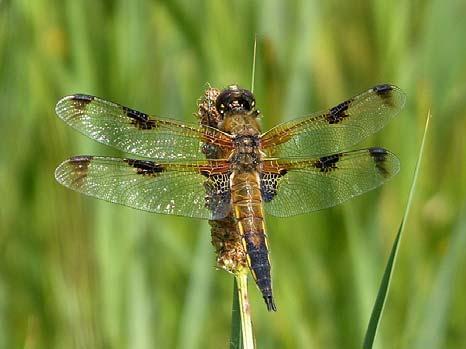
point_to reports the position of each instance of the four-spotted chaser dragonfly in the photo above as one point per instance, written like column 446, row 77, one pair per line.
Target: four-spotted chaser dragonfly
column 226, row 170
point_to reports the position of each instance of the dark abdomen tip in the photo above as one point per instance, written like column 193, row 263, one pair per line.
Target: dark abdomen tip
column 270, row 303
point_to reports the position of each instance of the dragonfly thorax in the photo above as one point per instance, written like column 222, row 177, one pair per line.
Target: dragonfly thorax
column 246, row 156
column 240, row 125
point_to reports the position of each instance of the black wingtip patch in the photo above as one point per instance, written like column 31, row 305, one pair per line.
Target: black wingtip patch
column 145, row 167
column 81, row 100
column 380, row 156
column 82, row 97
column 328, row 163
column 384, row 91
column 269, row 301
column 80, row 165
column 81, row 161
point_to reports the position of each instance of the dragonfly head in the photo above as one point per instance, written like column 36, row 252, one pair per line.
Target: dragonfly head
column 235, row 99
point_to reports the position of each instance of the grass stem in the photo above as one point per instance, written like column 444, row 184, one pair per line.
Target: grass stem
column 242, row 336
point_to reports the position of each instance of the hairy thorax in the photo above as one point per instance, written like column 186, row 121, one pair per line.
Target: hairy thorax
column 241, row 124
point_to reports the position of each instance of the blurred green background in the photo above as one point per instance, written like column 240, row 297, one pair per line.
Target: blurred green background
column 79, row 273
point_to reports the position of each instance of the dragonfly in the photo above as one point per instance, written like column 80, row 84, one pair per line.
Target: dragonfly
column 226, row 170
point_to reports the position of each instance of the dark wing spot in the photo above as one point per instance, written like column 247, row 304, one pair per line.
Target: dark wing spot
column 139, row 119
column 380, row 155
column 338, row 113
column 382, row 90
column 82, row 159
column 327, row 163
column 80, row 166
column 145, row 167
column 82, row 97
column 81, row 162
column 80, row 101
column 385, row 92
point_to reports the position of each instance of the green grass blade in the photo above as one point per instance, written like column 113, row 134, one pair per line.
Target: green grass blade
column 254, row 64
column 385, row 284
column 244, row 338
column 235, row 337
column 381, row 295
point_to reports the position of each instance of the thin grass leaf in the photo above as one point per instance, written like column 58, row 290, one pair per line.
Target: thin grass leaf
column 254, row 64
column 385, row 284
column 244, row 338
column 236, row 341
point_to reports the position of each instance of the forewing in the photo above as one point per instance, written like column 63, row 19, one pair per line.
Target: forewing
column 336, row 129
column 292, row 187
column 175, row 188
column 138, row 133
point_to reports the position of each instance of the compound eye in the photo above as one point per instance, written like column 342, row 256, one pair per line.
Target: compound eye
column 245, row 104
column 221, row 108
column 235, row 99
column 222, row 104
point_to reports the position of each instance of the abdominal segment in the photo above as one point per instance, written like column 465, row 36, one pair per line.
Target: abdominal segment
column 248, row 211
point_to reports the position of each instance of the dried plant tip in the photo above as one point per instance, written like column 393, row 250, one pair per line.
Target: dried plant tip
column 207, row 112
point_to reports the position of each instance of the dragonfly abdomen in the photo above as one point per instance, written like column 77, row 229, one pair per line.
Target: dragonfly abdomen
column 249, row 214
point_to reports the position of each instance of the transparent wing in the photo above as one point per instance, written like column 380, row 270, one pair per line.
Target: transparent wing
column 176, row 188
column 336, row 129
column 291, row 187
column 138, row 133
